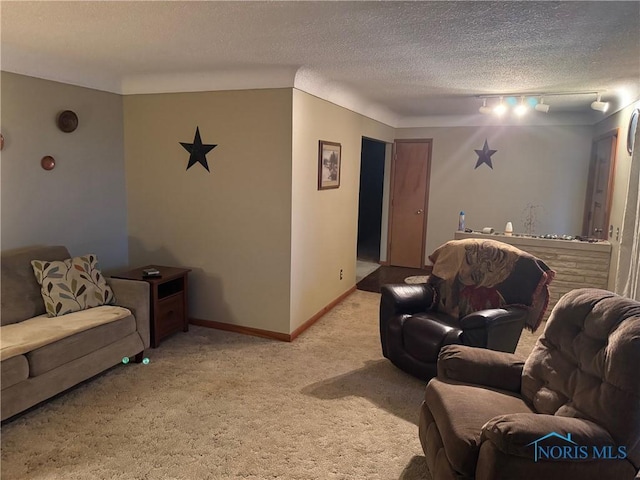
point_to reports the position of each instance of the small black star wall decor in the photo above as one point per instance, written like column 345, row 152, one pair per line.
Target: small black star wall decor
column 484, row 155
column 198, row 151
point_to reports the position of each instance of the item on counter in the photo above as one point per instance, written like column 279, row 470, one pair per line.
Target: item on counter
column 508, row 229
column 461, row 222
column 488, row 230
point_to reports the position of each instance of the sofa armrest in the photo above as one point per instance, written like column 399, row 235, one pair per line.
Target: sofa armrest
column 134, row 295
column 490, row 317
column 405, row 299
column 520, row 434
column 481, row 366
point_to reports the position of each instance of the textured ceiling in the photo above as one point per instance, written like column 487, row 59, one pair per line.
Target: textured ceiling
column 404, row 59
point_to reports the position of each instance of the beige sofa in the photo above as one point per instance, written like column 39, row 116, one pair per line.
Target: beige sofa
column 42, row 356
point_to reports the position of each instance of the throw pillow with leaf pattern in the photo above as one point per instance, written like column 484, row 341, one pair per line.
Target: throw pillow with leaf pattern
column 72, row 285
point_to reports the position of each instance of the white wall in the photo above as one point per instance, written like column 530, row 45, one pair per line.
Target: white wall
column 81, row 203
column 324, row 223
column 544, row 166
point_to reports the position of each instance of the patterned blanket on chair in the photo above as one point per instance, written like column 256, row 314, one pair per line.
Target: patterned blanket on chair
column 476, row 274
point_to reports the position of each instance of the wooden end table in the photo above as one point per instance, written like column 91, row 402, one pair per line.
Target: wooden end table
column 168, row 303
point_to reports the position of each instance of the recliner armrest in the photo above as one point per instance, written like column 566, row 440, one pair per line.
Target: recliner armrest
column 406, row 299
column 484, row 318
column 481, row 367
column 519, row 433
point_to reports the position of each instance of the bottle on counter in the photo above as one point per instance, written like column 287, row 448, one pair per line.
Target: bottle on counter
column 461, row 222
column 508, row 229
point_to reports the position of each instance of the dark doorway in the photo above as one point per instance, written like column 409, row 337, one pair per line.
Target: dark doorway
column 370, row 204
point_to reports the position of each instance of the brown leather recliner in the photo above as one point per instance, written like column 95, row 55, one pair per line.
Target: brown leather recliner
column 481, row 293
column 570, row 411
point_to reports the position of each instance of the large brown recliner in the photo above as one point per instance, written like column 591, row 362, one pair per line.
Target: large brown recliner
column 481, row 293
column 570, row 411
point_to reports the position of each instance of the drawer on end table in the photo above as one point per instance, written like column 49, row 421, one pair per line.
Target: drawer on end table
column 170, row 317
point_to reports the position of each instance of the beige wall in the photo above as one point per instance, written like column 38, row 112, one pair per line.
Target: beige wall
column 324, row 223
column 231, row 226
column 266, row 247
column 81, row 203
column 618, row 122
column 537, row 165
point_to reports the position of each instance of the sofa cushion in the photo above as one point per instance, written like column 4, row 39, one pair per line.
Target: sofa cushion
column 21, row 297
column 14, row 370
column 51, row 356
column 460, row 411
column 23, row 337
column 71, row 285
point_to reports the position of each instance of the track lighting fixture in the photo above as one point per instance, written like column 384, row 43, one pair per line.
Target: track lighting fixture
column 599, row 105
column 534, row 100
column 542, row 107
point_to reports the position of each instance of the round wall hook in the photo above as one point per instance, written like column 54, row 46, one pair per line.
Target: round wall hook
column 67, row 121
column 48, row 162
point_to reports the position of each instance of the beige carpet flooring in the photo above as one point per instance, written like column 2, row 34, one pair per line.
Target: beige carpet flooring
column 218, row 405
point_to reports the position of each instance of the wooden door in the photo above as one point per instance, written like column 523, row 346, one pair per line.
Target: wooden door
column 600, row 187
column 409, row 201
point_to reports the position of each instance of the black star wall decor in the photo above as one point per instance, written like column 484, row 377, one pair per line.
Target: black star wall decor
column 198, row 151
column 484, row 155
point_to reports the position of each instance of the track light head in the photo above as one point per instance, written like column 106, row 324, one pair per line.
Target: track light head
column 500, row 109
column 484, row 109
column 599, row 105
column 521, row 109
column 542, row 107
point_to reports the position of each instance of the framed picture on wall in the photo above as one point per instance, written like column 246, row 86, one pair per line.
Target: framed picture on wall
column 329, row 158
